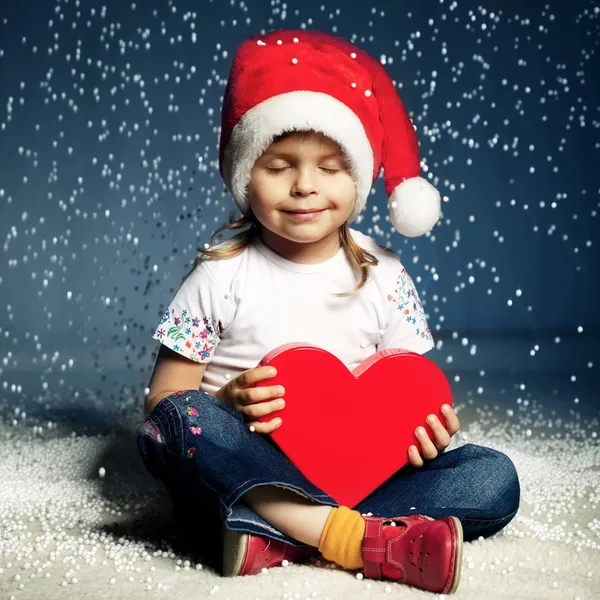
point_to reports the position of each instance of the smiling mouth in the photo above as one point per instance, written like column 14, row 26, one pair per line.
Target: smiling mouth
column 304, row 212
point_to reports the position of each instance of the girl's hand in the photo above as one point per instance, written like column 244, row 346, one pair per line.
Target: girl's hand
column 239, row 395
column 442, row 435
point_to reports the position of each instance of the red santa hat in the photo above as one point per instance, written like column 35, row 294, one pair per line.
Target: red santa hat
column 297, row 80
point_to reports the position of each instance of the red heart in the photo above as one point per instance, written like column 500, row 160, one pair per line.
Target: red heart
column 349, row 431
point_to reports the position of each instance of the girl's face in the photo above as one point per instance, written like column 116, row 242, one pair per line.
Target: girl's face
column 306, row 171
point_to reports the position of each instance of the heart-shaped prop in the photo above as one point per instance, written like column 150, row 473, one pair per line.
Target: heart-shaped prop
column 349, row 431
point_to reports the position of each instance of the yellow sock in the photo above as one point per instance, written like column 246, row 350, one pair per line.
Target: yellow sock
column 341, row 540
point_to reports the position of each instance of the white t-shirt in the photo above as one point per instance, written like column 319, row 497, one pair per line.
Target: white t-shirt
column 231, row 313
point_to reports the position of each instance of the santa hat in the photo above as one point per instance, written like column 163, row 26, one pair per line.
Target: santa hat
column 297, row 80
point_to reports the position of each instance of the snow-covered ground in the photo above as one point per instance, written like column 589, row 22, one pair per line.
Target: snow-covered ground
column 80, row 517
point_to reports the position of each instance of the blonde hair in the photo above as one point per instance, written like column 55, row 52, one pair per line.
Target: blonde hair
column 359, row 258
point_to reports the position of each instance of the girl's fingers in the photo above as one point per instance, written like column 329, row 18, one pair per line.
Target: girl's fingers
column 260, row 409
column 452, row 422
column 260, row 394
column 252, row 376
column 414, row 457
column 428, row 450
column 440, row 434
column 265, row 428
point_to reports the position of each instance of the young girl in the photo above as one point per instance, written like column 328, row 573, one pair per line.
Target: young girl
column 308, row 121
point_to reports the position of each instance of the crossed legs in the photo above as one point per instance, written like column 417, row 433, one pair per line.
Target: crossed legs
column 289, row 512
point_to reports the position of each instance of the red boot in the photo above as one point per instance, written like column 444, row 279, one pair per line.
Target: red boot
column 418, row 551
column 247, row 553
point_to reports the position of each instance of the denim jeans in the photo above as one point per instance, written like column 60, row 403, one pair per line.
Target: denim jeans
column 204, row 454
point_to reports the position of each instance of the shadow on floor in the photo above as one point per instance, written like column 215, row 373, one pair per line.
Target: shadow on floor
column 154, row 518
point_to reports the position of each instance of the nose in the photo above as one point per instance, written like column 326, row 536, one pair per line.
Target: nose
column 304, row 183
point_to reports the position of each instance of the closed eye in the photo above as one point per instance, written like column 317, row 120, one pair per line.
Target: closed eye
column 281, row 169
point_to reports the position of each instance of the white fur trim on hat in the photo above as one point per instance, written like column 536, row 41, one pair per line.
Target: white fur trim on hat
column 297, row 111
column 415, row 207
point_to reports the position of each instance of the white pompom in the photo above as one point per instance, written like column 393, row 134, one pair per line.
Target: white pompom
column 415, row 207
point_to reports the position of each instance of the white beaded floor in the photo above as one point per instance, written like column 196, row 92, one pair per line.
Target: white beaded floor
column 66, row 532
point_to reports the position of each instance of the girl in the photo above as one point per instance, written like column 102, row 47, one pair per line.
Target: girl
column 308, row 120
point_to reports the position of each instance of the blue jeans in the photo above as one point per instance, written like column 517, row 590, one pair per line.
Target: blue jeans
column 204, row 454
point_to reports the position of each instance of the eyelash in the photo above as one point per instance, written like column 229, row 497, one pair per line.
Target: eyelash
column 329, row 171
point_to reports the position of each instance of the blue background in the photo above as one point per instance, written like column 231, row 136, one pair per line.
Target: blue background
column 109, row 183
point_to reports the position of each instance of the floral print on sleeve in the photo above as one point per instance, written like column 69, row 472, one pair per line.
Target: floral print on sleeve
column 194, row 337
column 407, row 301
